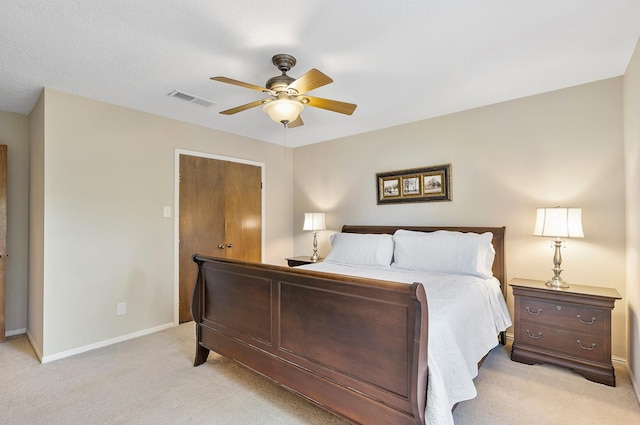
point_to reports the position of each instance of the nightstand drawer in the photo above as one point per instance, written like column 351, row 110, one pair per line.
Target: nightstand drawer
column 582, row 345
column 582, row 319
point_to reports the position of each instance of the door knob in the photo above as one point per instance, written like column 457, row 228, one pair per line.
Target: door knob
column 221, row 246
column 229, row 245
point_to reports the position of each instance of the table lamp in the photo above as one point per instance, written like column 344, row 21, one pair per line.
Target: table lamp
column 314, row 221
column 558, row 223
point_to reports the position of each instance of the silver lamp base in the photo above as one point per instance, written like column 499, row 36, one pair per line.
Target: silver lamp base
column 315, row 258
column 557, row 283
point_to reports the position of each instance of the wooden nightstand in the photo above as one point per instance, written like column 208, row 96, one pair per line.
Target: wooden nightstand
column 301, row 260
column 567, row 327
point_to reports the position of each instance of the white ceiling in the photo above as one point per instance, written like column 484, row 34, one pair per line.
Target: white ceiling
column 399, row 61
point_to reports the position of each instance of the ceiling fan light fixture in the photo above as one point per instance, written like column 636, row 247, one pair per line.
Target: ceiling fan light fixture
column 288, row 95
column 283, row 110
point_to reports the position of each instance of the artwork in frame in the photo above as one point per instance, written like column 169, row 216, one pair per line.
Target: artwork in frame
column 425, row 184
column 391, row 187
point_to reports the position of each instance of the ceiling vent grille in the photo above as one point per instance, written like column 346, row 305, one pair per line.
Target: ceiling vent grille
column 191, row 98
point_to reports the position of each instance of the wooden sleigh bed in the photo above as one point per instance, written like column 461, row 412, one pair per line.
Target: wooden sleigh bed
column 354, row 346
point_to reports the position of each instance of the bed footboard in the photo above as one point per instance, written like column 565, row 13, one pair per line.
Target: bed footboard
column 356, row 347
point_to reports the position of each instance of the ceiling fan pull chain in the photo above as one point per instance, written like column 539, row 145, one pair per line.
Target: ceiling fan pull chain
column 284, row 137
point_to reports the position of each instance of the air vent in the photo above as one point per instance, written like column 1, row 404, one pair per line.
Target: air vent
column 191, row 98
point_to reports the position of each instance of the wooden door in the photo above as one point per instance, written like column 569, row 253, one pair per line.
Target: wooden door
column 243, row 211
column 220, row 215
column 200, row 225
column 3, row 240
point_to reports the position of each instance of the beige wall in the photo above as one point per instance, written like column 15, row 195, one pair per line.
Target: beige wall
column 36, row 226
column 14, row 132
column 108, row 173
column 559, row 148
column 632, row 159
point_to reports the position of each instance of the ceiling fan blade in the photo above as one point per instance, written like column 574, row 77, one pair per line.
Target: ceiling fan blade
column 242, row 107
column 240, row 83
column 295, row 123
column 331, row 105
column 309, row 81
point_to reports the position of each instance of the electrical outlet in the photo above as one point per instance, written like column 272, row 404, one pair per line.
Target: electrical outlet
column 121, row 308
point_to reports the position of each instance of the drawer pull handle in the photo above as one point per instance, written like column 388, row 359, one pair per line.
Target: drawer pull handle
column 531, row 312
column 530, row 335
column 593, row 320
column 593, row 345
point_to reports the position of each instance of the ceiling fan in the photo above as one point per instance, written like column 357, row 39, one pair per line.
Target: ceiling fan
column 288, row 95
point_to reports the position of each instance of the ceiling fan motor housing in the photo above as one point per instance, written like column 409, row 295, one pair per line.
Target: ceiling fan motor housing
column 279, row 83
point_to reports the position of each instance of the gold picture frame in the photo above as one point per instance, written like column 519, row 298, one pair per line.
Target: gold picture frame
column 426, row 184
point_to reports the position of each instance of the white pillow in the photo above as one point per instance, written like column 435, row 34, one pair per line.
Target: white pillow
column 443, row 251
column 361, row 249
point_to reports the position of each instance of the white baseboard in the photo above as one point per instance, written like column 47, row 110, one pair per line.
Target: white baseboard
column 58, row 356
column 15, row 332
column 622, row 361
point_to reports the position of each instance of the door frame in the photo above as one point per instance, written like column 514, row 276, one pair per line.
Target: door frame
column 176, row 215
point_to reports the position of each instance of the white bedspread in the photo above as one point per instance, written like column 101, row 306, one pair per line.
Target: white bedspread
column 465, row 316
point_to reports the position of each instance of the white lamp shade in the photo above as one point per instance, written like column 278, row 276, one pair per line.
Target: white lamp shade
column 283, row 110
column 313, row 221
column 559, row 222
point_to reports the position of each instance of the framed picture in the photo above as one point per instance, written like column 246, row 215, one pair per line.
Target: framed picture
column 390, row 187
column 415, row 185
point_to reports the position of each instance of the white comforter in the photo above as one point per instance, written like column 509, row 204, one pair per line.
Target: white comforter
column 465, row 316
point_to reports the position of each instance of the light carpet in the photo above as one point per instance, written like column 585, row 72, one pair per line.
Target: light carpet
column 151, row 380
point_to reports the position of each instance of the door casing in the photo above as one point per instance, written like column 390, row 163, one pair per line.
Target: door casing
column 3, row 240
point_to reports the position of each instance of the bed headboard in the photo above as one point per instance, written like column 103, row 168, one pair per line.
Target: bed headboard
column 499, row 265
